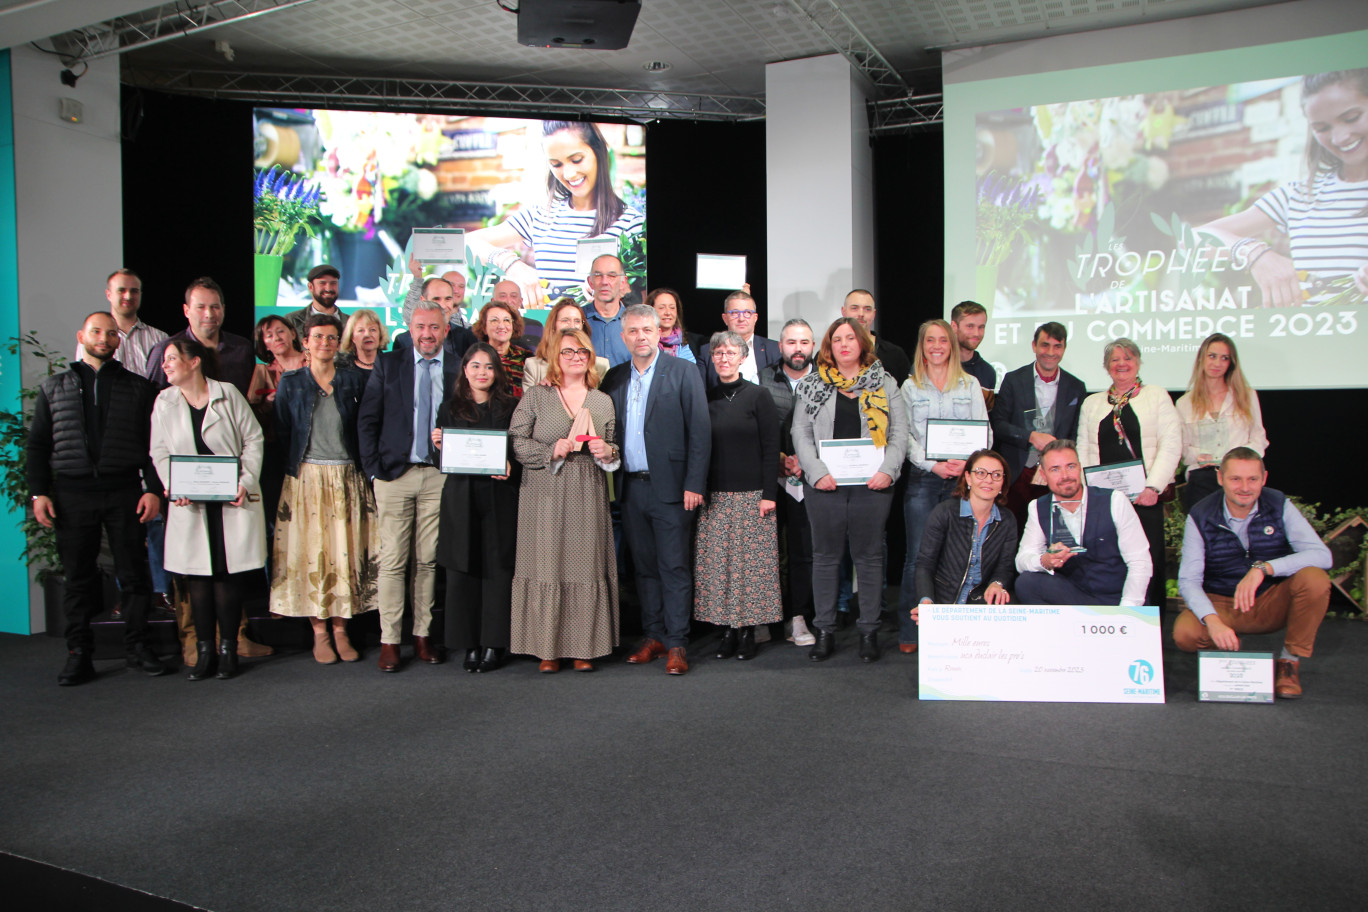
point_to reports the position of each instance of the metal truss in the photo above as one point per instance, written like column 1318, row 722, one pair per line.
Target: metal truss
column 160, row 23
column 438, row 95
column 894, row 115
column 829, row 19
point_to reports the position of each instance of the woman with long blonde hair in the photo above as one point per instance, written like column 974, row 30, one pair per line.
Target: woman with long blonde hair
column 1219, row 411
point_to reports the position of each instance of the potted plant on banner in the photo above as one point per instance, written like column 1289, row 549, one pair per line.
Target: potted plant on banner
column 284, row 205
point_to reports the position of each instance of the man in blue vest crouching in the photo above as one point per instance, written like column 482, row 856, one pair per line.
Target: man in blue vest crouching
column 1081, row 545
column 1252, row 564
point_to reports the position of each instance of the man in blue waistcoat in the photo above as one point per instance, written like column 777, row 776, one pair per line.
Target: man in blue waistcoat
column 1081, row 545
column 1252, row 564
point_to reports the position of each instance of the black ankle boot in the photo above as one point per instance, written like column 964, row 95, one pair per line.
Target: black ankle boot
column 746, row 648
column 727, row 648
column 227, row 660
column 472, row 660
column 869, row 647
column 205, row 661
column 824, row 647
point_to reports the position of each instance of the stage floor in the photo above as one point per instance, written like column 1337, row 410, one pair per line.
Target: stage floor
column 770, row 784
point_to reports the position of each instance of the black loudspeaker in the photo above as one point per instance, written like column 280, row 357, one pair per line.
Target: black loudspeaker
column 603, row 25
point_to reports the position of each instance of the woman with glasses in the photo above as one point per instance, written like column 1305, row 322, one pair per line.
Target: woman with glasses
column 736, row 557
column 565, row 316
column 498, row 325
column 325, row 564
column 849, row 397
column 565, row 599
column 968, row 547
column 478, row 531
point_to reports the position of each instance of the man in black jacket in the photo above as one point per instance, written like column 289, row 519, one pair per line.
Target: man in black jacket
column 90, row 468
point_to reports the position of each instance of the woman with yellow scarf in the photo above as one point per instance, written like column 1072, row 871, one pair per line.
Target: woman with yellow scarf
column 849, row 397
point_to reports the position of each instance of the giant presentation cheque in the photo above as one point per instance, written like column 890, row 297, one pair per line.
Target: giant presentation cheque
column 1041, row 653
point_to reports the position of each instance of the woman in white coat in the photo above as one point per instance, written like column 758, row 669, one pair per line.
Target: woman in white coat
column 211, row 544
column 1135, row 421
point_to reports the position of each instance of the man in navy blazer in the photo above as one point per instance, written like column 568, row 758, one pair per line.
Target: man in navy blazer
column 1042, row 383
column 740, row 315
column 394, row 428
column 459, row 337
column 665, row 438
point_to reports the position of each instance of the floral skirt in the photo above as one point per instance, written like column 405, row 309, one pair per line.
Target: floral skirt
column 325, row 561
column 736, row 562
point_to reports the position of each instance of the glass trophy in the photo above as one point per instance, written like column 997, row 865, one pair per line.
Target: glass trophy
column 1210, row 440
column 1040, row 419
column 1060, row 533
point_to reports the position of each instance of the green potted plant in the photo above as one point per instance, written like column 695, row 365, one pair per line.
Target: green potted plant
column 284, row 204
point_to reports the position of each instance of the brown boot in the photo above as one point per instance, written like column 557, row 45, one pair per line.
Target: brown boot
column 323, row 647
column 185, row 626
column 250, row 649
column 345, row 651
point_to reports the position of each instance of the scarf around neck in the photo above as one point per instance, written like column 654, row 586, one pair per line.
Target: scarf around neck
column 820, row 385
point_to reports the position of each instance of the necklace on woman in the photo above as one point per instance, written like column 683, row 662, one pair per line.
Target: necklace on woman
column 367, row 364
column 732, row 395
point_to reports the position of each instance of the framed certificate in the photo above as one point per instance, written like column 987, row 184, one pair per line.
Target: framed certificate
column 1234, row 677
column 1126, row 477
column 851, row 462
column 953, row 438
column 589, row 249
column 439, row 245
column 1040, row 653
column 717, row 270
column 204, row 478
column 474, row 451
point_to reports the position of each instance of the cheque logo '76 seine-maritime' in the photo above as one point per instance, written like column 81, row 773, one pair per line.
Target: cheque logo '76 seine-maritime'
column 1140, row 671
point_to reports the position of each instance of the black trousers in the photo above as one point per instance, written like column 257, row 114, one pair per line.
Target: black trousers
column 660, row 537
column 80, row 519
column 797, row 544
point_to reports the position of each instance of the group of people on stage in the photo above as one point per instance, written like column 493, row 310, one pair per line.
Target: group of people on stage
column 699, row 460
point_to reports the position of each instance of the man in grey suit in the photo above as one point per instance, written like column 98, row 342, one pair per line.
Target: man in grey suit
column 1041, row 386
column 665, row 437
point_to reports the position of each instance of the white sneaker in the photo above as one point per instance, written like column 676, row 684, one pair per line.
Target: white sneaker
column 801, row 635
column 762, row 633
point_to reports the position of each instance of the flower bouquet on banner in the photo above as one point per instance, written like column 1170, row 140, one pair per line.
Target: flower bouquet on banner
column 284, row 204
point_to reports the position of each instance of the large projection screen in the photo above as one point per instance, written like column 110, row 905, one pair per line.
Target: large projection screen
column 525, row 191
column 1087, row 196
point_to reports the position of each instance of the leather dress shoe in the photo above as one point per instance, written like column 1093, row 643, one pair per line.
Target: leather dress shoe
column 142, row 656
column 549, row 666
column 160, row 608
column 1287, row 680
column 727, row 647
column 425, row 651
column 78, row 668
column 907, row 648
column 472, row 660
column 678, row 662
column 746, row 648
column 869, row 647
column 492, row 660
column 583, row 665
column 824, row 647
column 206, row 661
column 389, row 657
column 649, row 651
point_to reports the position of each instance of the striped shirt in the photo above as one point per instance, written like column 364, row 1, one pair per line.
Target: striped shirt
column 552, row 233
column 1328, row 233
column 134, row 347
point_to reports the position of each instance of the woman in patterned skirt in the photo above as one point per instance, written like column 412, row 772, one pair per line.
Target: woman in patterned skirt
column 325, row 564
column 565, row 600
column 736, row 559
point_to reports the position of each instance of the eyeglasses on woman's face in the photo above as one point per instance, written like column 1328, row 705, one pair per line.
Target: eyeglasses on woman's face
column 985, row 475
column 576, row 354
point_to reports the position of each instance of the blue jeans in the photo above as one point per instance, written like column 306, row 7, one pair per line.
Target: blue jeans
column 924, row 491
column 156, row 546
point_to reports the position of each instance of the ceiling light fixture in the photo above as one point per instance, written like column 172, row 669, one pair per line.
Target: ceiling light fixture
column 656, row 66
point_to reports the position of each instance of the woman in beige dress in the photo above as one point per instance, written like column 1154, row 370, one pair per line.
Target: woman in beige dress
column 565, row 600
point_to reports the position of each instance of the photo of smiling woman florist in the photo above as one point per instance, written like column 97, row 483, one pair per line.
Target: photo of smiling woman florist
column 1237, row 196
column 526, row 192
